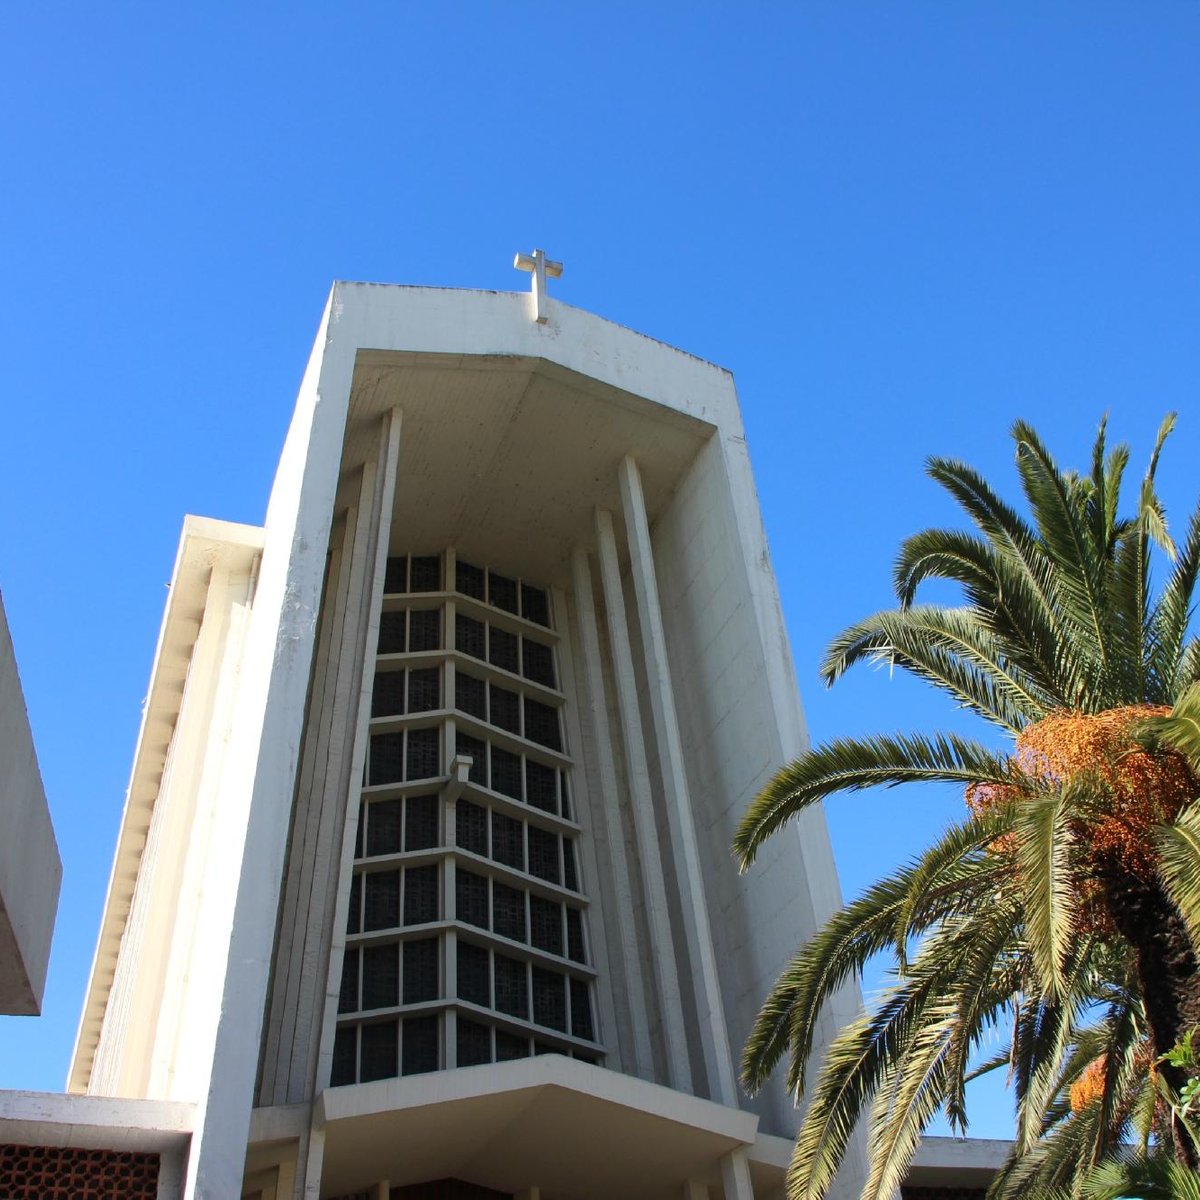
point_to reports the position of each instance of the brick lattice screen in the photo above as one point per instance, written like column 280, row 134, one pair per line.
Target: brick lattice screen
column 63, row 1173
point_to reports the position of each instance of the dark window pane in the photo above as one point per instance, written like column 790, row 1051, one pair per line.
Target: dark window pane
column 468, row 636
column 541, row 724
column 508, row 911
column 383, row 827
column 471, row 833
column 422, row 758
column 469, row 579
column 425, row 629
column 421, row 970
column 383, row 900
column 470, row 695
column 396, row 578
column 535, row 605
column 549, row 999
column 512, row 992
column 538, row 662
column 420, row 1045
column 471, row 898
column 386, row 751
column 474, row 975
column 360, row 832
column 421, row 823
column 424, row 690
column 354, row 911
column 426, row 574
column 541, row 786
column 391, row 633
column 571, row 879
column 575, row 935
column 502, row 649
column 476, row 751
column 345, row 1057
column 378, row 1052
column 420, row 895
column 565, row 810
column 581, row 1010
column 502, row 592
column 507, row 841
column 505, row 709
column 510, row 1046
column 387, row 696
column 545, row 924
column 587, row 1058
column 506, row 772
column 474, row 1043
column 543, row 854
column 348, row 995
column 381, row 976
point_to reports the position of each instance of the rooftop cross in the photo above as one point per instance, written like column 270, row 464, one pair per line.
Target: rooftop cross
column 539, row 266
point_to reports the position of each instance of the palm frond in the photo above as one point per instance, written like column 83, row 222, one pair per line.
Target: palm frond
column 849, row 765
column 1179, row 863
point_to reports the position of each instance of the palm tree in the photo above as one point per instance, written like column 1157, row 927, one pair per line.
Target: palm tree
column 1066, row 903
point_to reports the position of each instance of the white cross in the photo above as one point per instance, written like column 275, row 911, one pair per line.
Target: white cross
column 539, row 266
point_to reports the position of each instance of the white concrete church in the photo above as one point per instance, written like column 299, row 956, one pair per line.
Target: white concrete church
column 423, row 886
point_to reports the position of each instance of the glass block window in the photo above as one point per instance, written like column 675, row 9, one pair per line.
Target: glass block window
column 537, row 662
column 421, row 970
column 470, row 695
column 549, row 999
column 541, row 724
column 502, row 649
column 506, row 772
column 517, row 951
column 535, row 605
column 474, row 974
column 380, row 976
column 471, row 821
column 421, row 886
column 378, row 1054
column 383, row 819
column 474, row 1043
column 512, row 986
column 424, row 630
column 420, row 822
column 502, row 592
column 421, row 759
column 469, row 580
column 508, row 841
column 505, row 709
column 470, row 636
column 425, row 574
column 543, row 854
column 508, row 911
column 471, row 898
column 387, row 694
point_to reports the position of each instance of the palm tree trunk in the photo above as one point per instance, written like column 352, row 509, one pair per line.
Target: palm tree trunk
column 1167, row 973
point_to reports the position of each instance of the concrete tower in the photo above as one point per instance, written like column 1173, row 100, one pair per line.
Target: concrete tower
column 424, row 874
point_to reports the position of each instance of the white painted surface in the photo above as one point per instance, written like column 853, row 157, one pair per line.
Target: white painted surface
column 30, row 869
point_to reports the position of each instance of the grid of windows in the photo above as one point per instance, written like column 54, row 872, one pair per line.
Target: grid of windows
column 463, row 945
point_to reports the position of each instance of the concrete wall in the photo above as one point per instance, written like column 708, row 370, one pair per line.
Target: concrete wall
column 30, row 869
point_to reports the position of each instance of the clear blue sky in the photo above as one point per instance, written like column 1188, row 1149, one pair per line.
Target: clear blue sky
column 901, row 225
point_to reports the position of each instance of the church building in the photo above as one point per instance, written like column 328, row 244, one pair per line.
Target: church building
column 423, row 886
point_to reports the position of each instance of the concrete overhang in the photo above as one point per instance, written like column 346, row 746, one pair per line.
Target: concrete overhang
column 957, row 1162
column 203, row 544
column 30, row 867
column 95, row 1122
column 577, row 1131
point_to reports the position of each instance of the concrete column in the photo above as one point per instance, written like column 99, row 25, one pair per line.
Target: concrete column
column 695, row 1189
column 685, row 853
column 735, row 1176
column 625, row 964
column 662, row 950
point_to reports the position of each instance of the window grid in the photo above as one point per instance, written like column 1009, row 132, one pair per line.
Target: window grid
column 519, row 965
